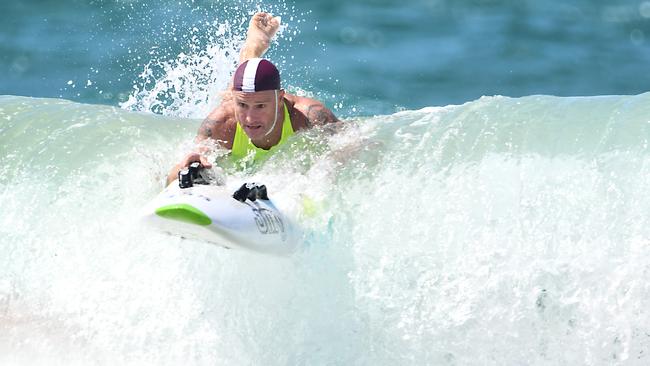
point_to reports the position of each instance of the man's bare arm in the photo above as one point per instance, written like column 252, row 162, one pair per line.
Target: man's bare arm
column 261, row 30
column 317, row 114
column 212, row 128
column 207, row 129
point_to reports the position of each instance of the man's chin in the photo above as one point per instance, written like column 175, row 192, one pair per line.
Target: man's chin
column 254, row 133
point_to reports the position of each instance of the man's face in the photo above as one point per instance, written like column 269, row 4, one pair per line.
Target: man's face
column 257, row 111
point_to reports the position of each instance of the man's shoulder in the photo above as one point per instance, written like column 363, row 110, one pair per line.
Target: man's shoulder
column 313, row 111
column 223, row 113
column 302, row 103
column 219, row 125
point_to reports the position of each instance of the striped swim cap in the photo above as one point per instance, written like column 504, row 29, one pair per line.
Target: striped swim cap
column 256, row 74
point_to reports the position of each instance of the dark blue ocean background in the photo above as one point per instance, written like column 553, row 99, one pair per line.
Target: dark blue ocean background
column 371, row 57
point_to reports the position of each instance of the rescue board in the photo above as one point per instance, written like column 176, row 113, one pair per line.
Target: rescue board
column 243, row 219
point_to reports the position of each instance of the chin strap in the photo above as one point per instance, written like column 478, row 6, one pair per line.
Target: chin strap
column 275, row 119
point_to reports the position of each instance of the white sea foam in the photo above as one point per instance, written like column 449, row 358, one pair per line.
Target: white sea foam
column 502, row 231
column 191, row 83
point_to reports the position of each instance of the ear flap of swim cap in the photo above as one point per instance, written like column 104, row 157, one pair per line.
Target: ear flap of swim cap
column 255, row 75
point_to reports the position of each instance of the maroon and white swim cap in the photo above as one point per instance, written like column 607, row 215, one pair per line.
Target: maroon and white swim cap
column 256, row 74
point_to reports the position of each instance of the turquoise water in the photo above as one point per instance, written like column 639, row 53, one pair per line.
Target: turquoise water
column 373, row 57
column 453, row 228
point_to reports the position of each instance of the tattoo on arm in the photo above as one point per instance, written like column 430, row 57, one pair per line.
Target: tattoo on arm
column 317, row 114
column 205, row 131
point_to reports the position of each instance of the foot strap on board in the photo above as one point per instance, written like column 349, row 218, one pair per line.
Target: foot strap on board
column 190, row 176
column 251, row 191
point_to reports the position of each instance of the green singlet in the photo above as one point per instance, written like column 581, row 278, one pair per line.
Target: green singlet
column 242, row 145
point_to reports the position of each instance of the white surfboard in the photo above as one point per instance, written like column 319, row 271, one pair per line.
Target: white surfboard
column 210, row 213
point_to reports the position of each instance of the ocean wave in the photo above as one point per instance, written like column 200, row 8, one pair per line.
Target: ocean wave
column 517, row 226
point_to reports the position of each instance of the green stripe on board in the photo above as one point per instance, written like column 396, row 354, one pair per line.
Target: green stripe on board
column 184, row 212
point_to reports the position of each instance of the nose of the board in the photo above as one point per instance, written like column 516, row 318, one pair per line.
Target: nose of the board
column 185, row 213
